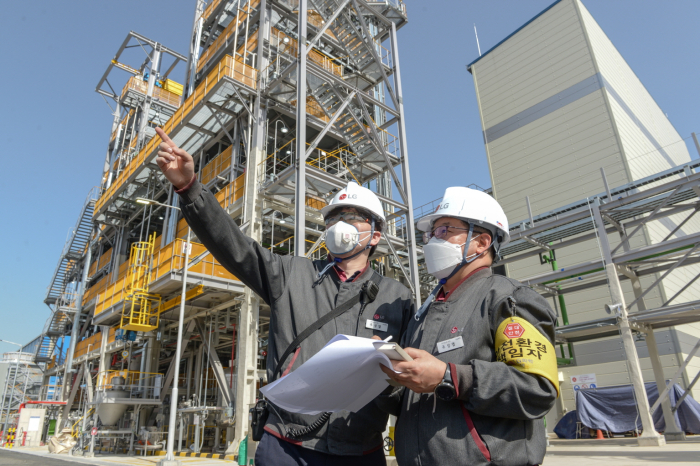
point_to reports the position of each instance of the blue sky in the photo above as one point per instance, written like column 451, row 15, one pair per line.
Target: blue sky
column 55, row 128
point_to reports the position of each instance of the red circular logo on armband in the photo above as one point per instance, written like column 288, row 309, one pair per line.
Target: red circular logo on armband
column 513, row 330
column 377, row 316
column 454, row 330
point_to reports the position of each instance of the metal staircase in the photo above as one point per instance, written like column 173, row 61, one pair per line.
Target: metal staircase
column 54, row 328
column 347, row 123
column 349, row 34
column 73, row 250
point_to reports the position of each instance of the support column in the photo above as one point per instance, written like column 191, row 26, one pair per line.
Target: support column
column 146, row 108
column 78, row 310
column 672, row 431
column 300, row 159
column 649, row 435
column 405, row 173
column 108, row 170
column 194, row 48
column 248, row 317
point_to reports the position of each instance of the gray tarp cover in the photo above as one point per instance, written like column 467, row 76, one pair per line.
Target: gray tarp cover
column 614, row 409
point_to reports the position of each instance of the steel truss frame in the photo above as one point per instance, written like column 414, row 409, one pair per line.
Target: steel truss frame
column 624, row 210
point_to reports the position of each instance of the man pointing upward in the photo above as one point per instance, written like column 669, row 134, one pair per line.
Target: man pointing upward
column 300, row 292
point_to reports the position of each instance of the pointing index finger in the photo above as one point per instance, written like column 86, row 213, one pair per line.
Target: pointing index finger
column 166, row 139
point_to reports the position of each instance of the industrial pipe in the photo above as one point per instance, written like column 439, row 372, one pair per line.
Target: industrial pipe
column 39, row 403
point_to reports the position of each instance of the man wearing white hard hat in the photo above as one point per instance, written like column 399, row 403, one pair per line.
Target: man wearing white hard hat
column 310, row 302
column 484, row 369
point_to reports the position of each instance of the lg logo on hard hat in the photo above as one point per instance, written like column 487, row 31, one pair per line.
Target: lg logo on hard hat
column 442, row 206
column 347, row 196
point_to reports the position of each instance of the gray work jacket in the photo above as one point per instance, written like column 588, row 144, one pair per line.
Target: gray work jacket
column 288, row 284
column 504, row 406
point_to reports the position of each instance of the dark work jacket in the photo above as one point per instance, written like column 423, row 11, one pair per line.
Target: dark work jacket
column 504, row 405
column 288, row 285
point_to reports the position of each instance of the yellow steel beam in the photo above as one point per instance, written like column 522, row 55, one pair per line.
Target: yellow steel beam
column 126, row 68
column 171, row 303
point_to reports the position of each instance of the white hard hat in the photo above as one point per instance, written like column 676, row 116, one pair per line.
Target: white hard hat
column 354, row 195
column 472, row 206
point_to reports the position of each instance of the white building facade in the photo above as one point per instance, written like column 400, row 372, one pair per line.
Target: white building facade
column 557, row 103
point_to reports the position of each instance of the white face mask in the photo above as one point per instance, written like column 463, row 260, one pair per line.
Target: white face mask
column 342, row 238
column 441, row 256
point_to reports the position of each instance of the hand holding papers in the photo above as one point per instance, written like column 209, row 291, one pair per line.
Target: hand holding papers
column 343, row 376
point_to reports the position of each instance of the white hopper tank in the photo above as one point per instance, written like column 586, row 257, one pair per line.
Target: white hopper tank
column 108, row 411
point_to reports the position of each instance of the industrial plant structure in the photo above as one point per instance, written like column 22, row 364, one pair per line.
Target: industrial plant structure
column 284, row 102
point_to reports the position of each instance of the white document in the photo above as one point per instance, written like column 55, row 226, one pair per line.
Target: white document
column 343, row 376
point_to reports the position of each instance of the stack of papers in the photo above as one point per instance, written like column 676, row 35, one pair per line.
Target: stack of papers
column 343, row 376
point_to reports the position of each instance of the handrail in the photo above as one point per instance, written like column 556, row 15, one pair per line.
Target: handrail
column 72, row 429
column 210, row 9
column 137, row 84
column 105, row 378
column 229, row 31
column 312, row 162
column 290, row 239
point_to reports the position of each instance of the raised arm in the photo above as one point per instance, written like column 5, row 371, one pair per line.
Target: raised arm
column 257, row 267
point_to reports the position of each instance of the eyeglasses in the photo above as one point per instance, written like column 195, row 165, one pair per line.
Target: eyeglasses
column 347, row 217
column 440, row 232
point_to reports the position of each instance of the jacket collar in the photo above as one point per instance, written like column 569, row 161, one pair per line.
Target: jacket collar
column 465, row 285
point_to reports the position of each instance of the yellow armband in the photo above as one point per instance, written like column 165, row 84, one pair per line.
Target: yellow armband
column 520, row 345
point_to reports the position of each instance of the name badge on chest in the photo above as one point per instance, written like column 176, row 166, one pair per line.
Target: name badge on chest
column 451, row 344
column 373, row 324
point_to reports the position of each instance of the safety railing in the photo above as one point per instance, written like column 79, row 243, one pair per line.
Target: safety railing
column 231, row 32
column 126, row 118
column 88, row 345
column 113, row 294
column 210, row 9
column 112, row 335
column 75, row 429
column 384, row 54
column 92, row 292
column 171, row 258
column 226, row 196
column 231, row 192
column 67, row 300
column 337, row 162
column 286, row 51
column 101, row 262
column 135, row 384
column 227, row 67
column 286, row 247
column 136, row 83
column 216, row 166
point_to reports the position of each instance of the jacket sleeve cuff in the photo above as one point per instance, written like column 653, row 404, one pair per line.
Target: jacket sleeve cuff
column 462, row 379
column 190, row 192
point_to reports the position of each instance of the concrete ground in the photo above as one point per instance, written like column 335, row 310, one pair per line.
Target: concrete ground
column 621, row 452
column 40, row 456
column 608, row 452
